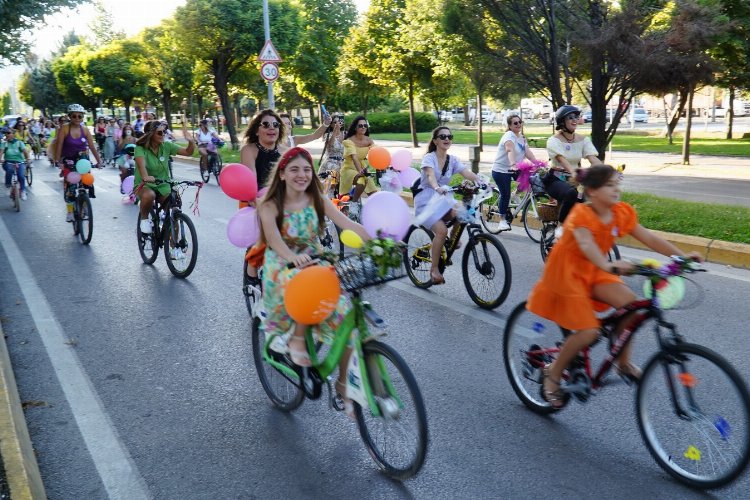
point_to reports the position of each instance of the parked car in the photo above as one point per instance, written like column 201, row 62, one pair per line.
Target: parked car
column 444, row 115
column 586, row 116
column 640, row 115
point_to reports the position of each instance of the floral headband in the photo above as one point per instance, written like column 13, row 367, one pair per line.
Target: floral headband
column 293, row 153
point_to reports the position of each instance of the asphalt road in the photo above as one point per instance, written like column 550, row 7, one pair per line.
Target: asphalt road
column 140, row 385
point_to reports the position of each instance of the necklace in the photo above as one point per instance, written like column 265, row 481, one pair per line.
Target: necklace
column 266, row 150
column 571, row 140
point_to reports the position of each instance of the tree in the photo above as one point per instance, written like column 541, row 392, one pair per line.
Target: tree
column 20, row 17
column 6, row 103
column 226, row 34
column 72, row 80
column 103, row 25
column 357, row 90
column 38, row 89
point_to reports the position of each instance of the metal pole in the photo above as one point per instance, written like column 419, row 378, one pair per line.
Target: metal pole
column 267, row 29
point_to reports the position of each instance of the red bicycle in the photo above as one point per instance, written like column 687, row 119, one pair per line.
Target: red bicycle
column 692, row 406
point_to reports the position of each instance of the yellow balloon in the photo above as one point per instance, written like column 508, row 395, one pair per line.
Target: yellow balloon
column 350, row 238
column 651, row 263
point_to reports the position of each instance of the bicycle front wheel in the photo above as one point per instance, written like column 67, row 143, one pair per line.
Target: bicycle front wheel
column 217, row 168
column 490, row 216
column 147, row 245
column 529, row 343
column 693, row 412
column 530, row 217
column 417, row 256
column 397, row 437
column 85, row 217
column 205, row 168
column 29, row 175
column 486, row 270
column 180, row 245
column 283, row 392
column 16, row 195
column 547, row 239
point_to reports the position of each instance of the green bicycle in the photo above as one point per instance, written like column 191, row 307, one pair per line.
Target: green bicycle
column 388, row 404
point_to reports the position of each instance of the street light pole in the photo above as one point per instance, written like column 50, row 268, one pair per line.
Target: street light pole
column 267, row 29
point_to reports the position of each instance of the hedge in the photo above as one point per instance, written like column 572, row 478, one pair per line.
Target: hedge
column 397, row 122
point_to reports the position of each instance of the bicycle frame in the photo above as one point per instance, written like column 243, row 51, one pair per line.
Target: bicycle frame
column 357, row 390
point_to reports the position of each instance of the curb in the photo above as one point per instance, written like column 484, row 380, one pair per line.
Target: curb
column 21, row 468
column 716, row 251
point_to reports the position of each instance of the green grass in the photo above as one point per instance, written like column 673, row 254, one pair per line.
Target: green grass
column 623, row 141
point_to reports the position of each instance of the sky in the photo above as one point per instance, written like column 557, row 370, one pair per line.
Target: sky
column 130, row 16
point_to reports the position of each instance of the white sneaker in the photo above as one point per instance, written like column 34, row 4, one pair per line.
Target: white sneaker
column 69, row 217
column 24, row 197
column 177, row 254
column 146, row 226
column 504, row 226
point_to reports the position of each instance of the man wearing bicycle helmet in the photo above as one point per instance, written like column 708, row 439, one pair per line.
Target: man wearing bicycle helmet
column 73, row 142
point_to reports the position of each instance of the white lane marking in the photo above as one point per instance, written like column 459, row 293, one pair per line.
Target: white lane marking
column 40, row 188
column 116, row 468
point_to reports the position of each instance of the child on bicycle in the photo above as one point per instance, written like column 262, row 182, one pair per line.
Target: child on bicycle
column 578, row 280
column 292, row 216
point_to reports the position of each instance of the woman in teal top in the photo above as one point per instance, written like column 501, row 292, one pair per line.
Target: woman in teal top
column 152, row 162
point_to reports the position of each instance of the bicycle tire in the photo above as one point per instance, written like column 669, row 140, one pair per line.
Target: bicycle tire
column 85, row 217
column 250, row 297
column 613, row 254
column 376, row 357
column 29, row 175
column 488, row 269
column 547, row 239
column 283, row 393
column 187, row 245
column 694, row 427
column 147, row 244
column 417, row 256
column 205, row 169
column 491, row 219
column 534, row 234
column 218, row 165
column 524, row 332
column 15, row 195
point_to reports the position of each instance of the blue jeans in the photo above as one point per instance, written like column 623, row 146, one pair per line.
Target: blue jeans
column 9, row 167
column 503, row 184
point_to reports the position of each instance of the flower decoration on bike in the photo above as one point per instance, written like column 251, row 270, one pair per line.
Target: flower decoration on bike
column 524, row 171
column 385, row 253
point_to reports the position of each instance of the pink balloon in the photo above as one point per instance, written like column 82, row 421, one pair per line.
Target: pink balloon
column 401, row 160
column 74, row 177
column 386, row 213
column 408, row 176
column 127, row 184
column 238, row 182
column 243, row 229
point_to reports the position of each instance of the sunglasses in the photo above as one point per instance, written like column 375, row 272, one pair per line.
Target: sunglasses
column 76, row 115
column 443, row 137
column 573, row 117
column 362, row 125
column 159, row 132
column 516, row 123
column 270, row 124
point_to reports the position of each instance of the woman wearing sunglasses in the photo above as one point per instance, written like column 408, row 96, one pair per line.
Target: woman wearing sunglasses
column 152, row 155
column 72, row 143
column 263, row 144
column 511, row 150
column 437, row 169
column 357, row 144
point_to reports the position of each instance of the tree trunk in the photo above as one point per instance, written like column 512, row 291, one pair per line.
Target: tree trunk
column 675, row 118
column 221, row 85
column 480, row 138
column 313, row 118
column 688, row 124
column 466, row 114
column 166, row 97
column 412, row 122
column 238, row 110
column 199, row 101
column 127, row 103
column 598, row 88
column 730, row 113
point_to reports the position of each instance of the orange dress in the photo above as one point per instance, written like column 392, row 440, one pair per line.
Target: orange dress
column 563, row 294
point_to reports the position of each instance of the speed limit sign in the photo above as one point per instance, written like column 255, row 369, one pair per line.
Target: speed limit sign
column 269, row 71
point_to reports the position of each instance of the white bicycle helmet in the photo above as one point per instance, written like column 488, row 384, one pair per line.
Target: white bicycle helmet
column 76, row 108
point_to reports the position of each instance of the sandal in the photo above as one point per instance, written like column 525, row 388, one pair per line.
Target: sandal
column 299, row 357
column 630, row 373
column 556, row 398
column 348, row 405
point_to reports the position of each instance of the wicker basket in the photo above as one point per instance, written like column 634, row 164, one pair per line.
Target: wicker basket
column 358, row 271
column 548, row 212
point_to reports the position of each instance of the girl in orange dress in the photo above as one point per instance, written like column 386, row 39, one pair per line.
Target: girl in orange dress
column 578, row 280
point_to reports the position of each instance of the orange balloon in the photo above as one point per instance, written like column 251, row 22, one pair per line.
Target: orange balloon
column 87, row 178
column 312, row 294
column 345, row 198
column 379, row 158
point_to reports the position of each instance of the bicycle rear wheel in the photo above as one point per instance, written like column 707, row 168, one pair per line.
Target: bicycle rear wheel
column 417, row 256
column 205, row 168
column 284, row 393
column 486, row 270
column 217, row 167
column 85, row 217
column 29, row 175
column 490, row 215
column 547, row 239
column 396, row 438
column 147, row 245
column 529, row 343
column 697, row 424
column 180, row 245
column 530, row 217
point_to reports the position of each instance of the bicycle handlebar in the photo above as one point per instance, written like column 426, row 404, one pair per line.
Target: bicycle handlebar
column 677, row 267
column 176, row 183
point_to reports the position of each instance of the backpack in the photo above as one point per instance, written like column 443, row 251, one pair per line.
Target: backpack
column 415, row 187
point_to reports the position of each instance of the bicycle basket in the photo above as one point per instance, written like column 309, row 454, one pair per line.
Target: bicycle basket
column 548, row 212
column 359, row 271
column 537, row 185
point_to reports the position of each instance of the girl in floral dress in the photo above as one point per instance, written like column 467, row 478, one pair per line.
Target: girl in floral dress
column 292, row 216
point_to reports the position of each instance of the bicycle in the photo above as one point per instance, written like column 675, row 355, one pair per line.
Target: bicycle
column 83, row 215
column 688, row 435
column 29, row 173
column 388, row 404
column 171, row 229
column 213, row 158
column 525, row 203
column 15, row 189
column 484, row 256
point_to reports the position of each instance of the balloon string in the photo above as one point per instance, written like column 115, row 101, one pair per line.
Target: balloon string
column 196, row 210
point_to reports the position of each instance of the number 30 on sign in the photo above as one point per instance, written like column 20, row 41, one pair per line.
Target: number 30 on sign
column 269, row 71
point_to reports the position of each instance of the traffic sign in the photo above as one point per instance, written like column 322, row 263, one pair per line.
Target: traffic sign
column 269, row 71
column 269, row 54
